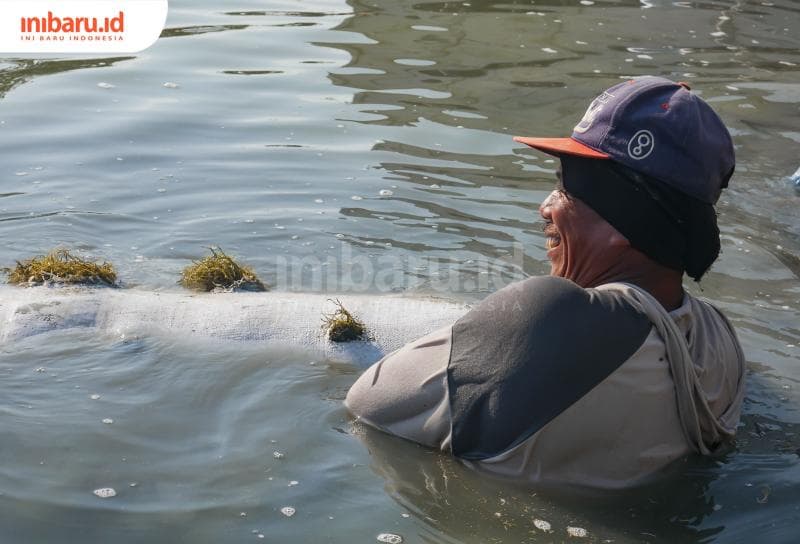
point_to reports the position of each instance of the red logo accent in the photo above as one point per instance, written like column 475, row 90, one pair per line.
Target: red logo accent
column 72, row 25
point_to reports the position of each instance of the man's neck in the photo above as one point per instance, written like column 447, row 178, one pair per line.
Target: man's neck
column 667, row 290
column 664, row 284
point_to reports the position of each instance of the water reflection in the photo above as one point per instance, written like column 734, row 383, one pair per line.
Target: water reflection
column 23, row 70
column 446, row 498
column 550, row 47
column 278, row 13
column 173, row 32
column 695, row 500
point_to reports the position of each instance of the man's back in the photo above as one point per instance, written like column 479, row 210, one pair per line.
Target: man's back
column 549, row 382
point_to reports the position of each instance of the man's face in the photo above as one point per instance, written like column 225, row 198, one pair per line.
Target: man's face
column 554, row 210
column 581, row 245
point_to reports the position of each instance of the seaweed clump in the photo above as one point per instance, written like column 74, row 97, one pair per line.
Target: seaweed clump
column 61, row 266
column 342, row 326
column 218, row 271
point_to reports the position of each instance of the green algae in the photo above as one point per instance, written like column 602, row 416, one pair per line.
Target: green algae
column 61, row 266
column 218, row 271
column 343, row 326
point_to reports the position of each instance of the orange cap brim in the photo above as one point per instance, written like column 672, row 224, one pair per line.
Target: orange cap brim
column 562, row 146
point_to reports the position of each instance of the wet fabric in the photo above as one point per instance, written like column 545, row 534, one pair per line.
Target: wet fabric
column 673, row 229
column 623, row 430
column 704, row 430
column 533, row 348
column 408, row 399
column 274, row 319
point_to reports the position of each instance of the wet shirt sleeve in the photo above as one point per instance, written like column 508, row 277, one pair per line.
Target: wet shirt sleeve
column 405, row 393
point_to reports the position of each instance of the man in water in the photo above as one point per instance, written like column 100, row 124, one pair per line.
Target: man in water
column 607, row 370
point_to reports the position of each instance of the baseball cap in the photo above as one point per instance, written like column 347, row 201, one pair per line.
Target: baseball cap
column 656, row 127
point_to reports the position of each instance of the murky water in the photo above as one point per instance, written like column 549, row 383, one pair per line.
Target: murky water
column 365, row 146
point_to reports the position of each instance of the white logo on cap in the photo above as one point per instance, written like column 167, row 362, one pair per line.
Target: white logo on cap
column 594, row 109
column 641, row 145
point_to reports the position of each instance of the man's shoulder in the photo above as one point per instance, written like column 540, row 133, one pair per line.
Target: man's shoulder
column 566, row 306
column 528, row 352
column 540, row 286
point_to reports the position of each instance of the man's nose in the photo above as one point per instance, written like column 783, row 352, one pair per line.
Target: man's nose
column 544, row 208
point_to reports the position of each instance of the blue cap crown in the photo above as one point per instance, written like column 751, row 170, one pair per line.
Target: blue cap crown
column 660, row 128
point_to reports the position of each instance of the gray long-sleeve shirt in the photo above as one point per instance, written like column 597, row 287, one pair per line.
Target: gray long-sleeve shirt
column 553, row 383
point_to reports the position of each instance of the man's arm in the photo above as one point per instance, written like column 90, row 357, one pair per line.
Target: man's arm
column 405, row 393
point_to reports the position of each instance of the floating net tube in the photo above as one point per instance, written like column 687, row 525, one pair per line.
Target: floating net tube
column 275, row 319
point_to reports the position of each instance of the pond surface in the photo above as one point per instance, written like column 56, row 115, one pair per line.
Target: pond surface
column 365, row 147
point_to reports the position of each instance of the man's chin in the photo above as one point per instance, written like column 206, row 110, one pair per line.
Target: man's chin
column 557, row 271
column 557, row 267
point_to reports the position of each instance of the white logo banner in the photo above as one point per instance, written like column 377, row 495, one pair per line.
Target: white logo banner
column 80, row 26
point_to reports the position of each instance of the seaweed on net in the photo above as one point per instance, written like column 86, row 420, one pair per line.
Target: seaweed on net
column 342, row 326
column 61, row 266
column 218, row 272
